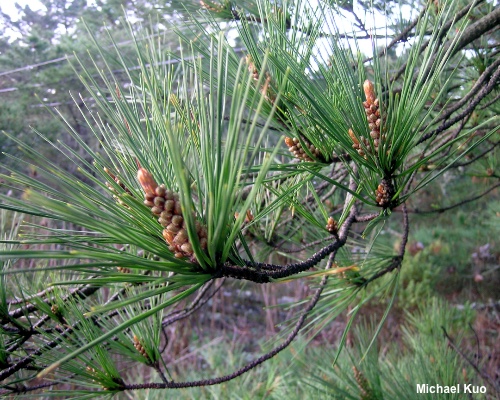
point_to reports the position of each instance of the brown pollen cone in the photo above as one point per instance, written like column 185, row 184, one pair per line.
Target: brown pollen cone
column 384, row 193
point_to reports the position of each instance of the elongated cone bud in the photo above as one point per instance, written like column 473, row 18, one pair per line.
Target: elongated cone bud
column 109, row 173
column 249, row 216
column 353, row 137
column 355, row 143
column 55, row 309
column 369, row 92
column 251, row 67
column 146, row 180
column 372, row 110
column 117, row 180
column 211, row 6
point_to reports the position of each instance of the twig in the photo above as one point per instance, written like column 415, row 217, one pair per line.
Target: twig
column 158, row 370
column 25, row 299
column 82, row 293
column 263, row 272
column 481, row 373
column 446, row 27
column 460, row 203
column 194, row 306
column 489, row 103
column 25, row 389
column 23, row 363
column 366, row 217
column 26, row 336
column 360, row 24
column 401, row 37
column 464, row 100
column 238, row 17
column 478, row 157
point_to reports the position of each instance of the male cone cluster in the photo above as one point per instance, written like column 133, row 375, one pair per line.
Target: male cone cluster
column 167, row 207
column 139, row 347
column 384, row 193
column 372, row 110
column 298, row 151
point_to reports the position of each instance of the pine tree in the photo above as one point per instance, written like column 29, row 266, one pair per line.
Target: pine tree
column 209, row 160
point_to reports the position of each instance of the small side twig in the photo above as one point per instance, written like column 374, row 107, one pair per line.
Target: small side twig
column 160, row 373
column 197, row 303
column 399, row 38
column 397, row 260
column 460, row 203
column 446, row 27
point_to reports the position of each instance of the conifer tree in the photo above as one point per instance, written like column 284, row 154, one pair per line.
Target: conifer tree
column 210, row 159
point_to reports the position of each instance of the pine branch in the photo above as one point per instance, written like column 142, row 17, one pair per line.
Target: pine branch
column 469, row 109
column 478, row 85
column 78, row 293
column 200, row 300
column 264, row 272
column 215, row 381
